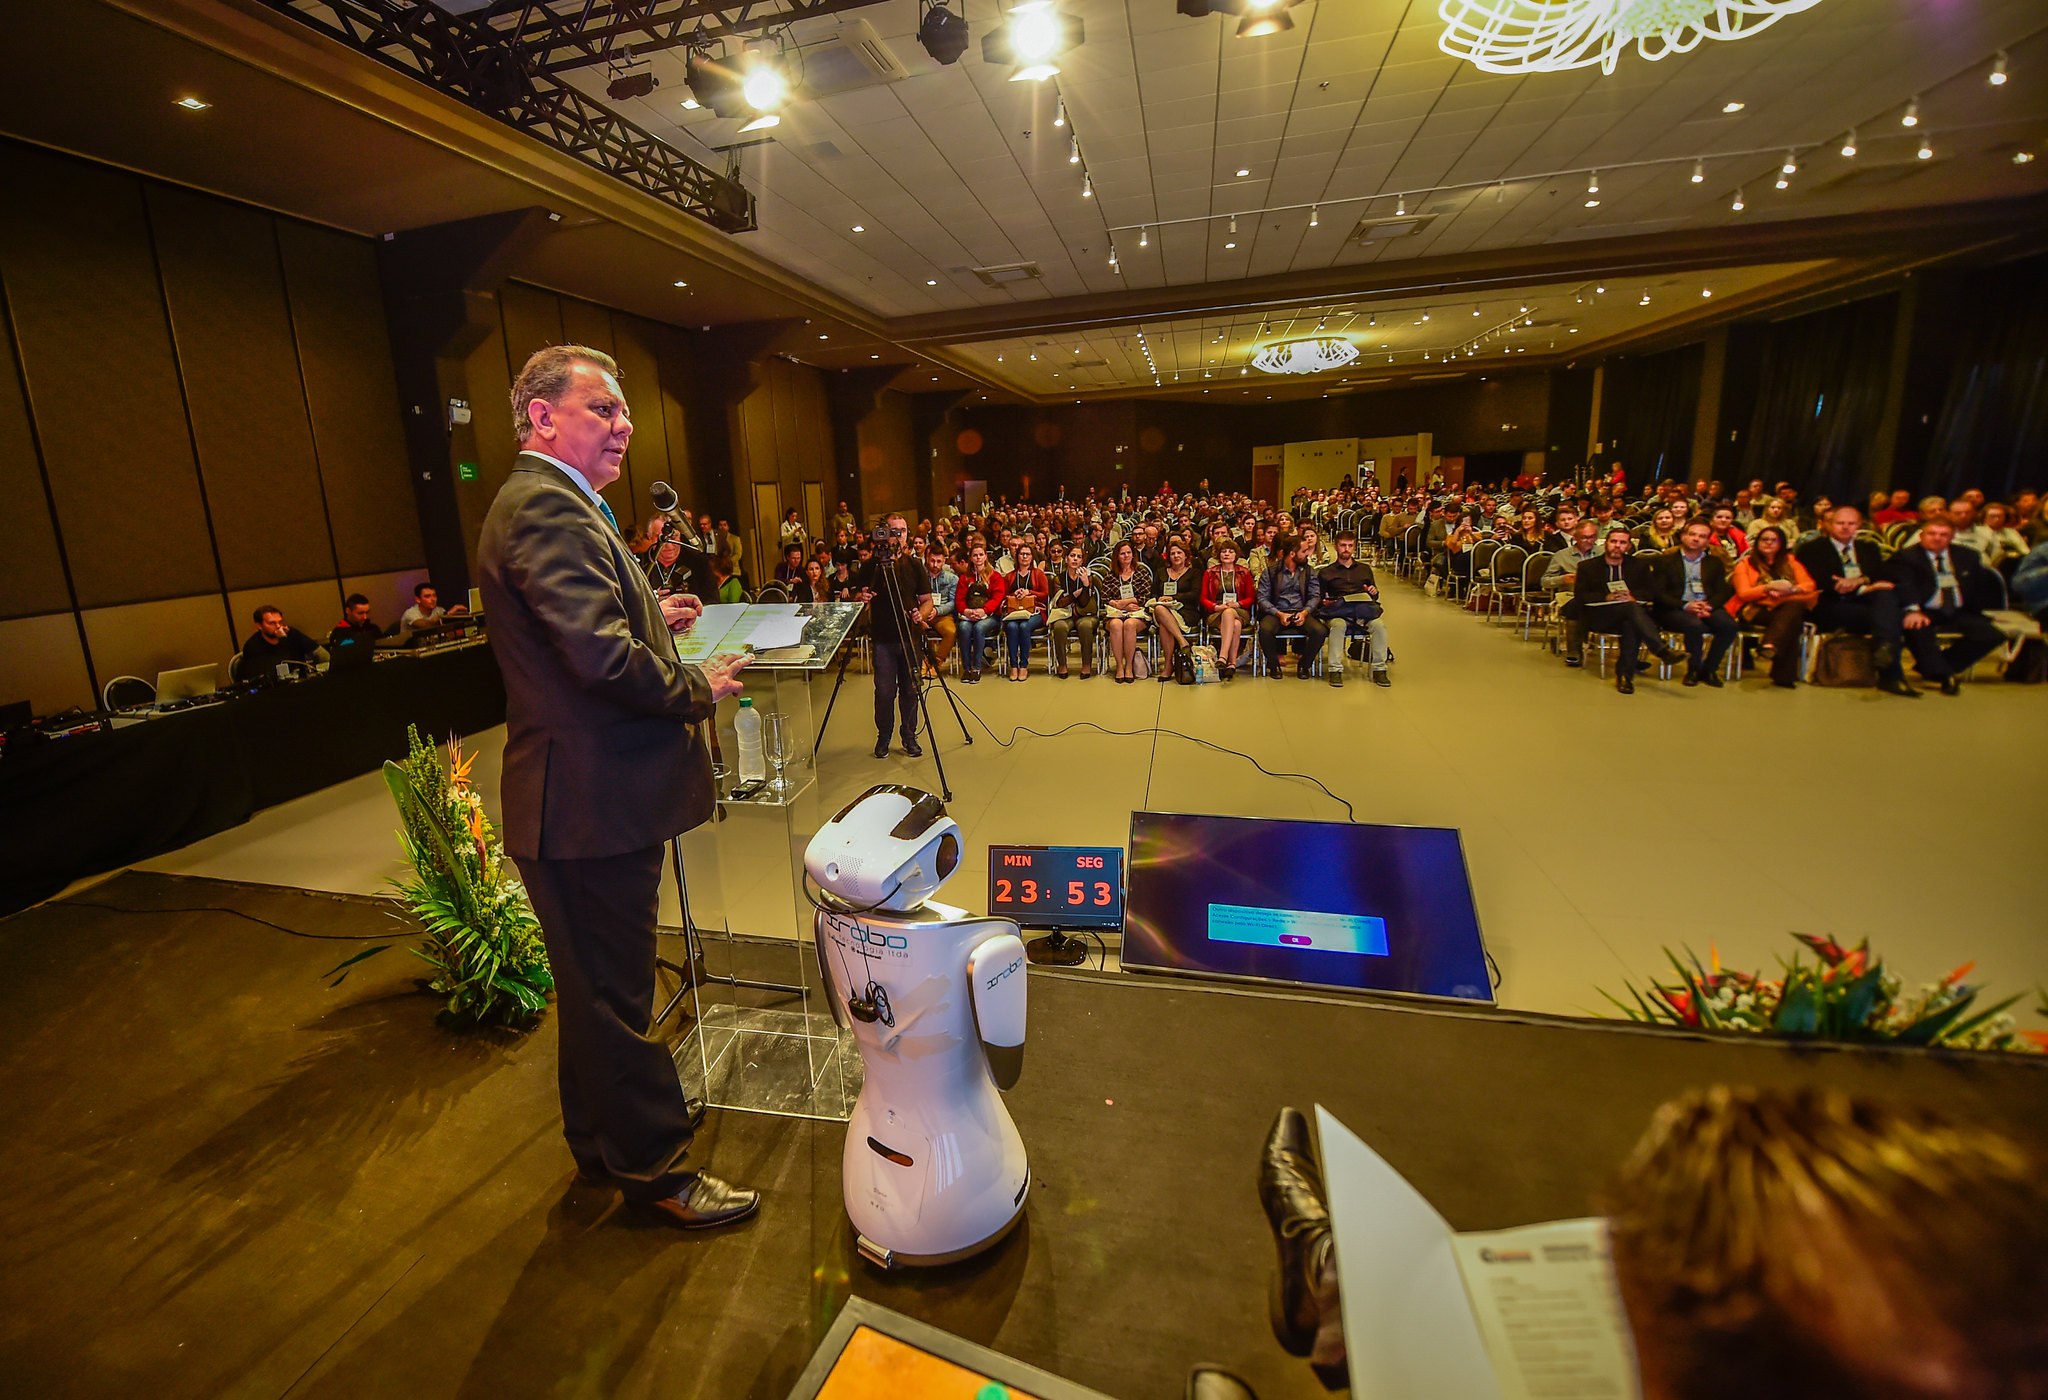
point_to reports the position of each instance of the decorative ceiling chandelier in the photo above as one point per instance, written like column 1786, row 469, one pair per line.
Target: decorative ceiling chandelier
column 1550, row 36
column 1311, row 356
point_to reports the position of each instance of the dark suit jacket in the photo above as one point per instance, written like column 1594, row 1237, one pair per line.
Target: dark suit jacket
column 1913, row 572
column 1823, row 560
column 602, row 751
column 1669, row 572
column 1591, row 584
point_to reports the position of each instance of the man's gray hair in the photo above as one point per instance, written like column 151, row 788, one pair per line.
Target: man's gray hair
column 546, row 377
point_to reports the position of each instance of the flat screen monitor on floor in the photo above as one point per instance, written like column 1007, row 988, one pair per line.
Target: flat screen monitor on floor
column 1320, row 904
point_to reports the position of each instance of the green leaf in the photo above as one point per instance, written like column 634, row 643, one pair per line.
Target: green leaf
column 340, row 970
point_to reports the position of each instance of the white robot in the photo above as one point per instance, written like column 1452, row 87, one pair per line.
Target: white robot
column 934, row 1168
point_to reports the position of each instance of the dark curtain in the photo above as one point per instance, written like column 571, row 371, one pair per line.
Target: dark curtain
column 1992, row 430
column 1647, row 409
column 1819, row 399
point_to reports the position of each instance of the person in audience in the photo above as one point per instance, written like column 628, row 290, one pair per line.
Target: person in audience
column 2031, row 513
column 355, row 627
column 1728, row 539
column 1075, row 611
column 1613, row 590
column 1898, row 510
column 1351, row 602
column 844, row 519
column 1560, row 581
column 646, row 535
column 1315, row 550
column 1026, row 591
column 1855, row 594
column 2003, row 545
column 1660, row 533
column 725, row 579
column 1125, row 589
column 666, row 572
column 1228, row 594
column 1774, row 592
column 1529, row 532
column 1692, row 598
column 790, row 572
column 1564, row 527
column 978, row 603
column 816, row 586
column 1773, row 1244
column 1288, row 596
column 723, row 541
column 944, row 627
column 1942, row 590
column 276, row 650
column 2030, row 583
column 1772, row 511
column 426, row 609
column 1177, row 588
column 793, row 532
column 1970, row 532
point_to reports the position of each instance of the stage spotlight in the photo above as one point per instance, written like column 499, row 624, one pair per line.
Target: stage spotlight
column 763, row 83
column 1032, row 40
column 1263, row 17
column 631, row 86
column 713, row 83
column 942, row 33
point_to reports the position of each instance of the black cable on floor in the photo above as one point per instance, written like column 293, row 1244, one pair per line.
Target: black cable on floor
column 242, row 914
column 1350, row 812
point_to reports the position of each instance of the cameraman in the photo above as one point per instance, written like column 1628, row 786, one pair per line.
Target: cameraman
column 898, row 591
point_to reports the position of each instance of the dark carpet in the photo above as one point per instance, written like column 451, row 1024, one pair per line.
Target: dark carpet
column 228, row 1179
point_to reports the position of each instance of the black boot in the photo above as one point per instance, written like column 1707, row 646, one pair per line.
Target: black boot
column 1291, row 1191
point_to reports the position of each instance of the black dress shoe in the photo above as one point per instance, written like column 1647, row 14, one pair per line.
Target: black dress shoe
column 910, row 748
column 1624, row 683
column 1711, row 679
column 1896, row 685
column 704, row 1204
column 1668, row 656
column 1951, row 685
column 881, row 748
column 1207, row 1382
column 1291, row 1192
column 1575, row 661
column 1692, row 677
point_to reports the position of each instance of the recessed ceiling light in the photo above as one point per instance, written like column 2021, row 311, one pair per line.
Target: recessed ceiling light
column 860, row 228
column 823, row 336
column 679, row 284
column 935, row 379
column 877, row 357
column 2022, row 157
column 1706, row 291
column 931, row 281
column 193, row 104
column 1243, row 173
column 690, row 104
column 1731, row 108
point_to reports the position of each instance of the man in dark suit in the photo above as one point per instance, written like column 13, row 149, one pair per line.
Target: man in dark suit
column 1692, row 598
column 1941, row 589
column 1856, row 595
column 604, row 764
column 1613, row 589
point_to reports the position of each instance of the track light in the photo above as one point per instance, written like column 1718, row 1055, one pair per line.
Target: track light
column 1059, row 111
column 1737, row 205
column 1032, row 40
column 1849, row 145
column 1074, row 150
column 1699, row 172
column 1997, row 75
column 1087, row 186
column 1112, row 258
column 1644, row 300
column 1912, row 116
column 1401, row 206
column 1144, row 238
column 1314, row 218
column 1593, row 183
column 1926, row 151
column 942, row 33
column 1791, row 165
column 1233, row 224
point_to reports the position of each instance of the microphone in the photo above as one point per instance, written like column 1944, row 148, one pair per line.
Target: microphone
column 664, row 497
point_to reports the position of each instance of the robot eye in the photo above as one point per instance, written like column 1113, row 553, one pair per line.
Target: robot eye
column 949, row 854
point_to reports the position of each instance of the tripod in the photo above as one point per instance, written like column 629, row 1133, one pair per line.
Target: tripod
column 920, row 663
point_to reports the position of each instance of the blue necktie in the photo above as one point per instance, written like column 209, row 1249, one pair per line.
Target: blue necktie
column 610, row 519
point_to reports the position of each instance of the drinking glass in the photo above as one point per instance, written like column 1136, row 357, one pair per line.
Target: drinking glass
column 776, row 748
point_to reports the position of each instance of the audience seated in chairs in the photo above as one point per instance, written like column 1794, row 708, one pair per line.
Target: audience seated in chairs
column 725, row 574
column 1351, row 600
column 1228, row 596
column 1693, row 590
column 277, row 650
column 977, row 602
column 1288, row 597
column 1774, row 592
column 1943, row 591
column 943, row 629
column 1026, row 591
column 790, row 572
column 1177, row 589
column 1560, row 580
column 1125, row 588
column 1856, row 594
column 1076, row 610
column 1613, row 591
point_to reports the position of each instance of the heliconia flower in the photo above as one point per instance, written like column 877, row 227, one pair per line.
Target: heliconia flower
column 1854, row 962
column 1958, row 975
column 1714, row 958
column 1681, row 1002
column 1829, row 950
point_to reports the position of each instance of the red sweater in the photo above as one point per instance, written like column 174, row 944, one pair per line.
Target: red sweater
column 996, row 589
column 1212, row 589
column 1034, row 583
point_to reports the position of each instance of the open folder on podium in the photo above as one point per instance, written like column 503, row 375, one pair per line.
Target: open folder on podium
column 1432, row 1314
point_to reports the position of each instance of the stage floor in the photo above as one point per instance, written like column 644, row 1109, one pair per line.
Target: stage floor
column 1598, row 829
column 228, row 1179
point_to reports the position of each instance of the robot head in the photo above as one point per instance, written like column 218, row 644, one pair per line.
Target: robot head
column 888, row 849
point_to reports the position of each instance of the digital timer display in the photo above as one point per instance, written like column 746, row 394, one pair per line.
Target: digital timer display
column 1057, row 886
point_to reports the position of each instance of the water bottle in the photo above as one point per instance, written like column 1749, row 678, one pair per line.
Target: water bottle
column 753, row 766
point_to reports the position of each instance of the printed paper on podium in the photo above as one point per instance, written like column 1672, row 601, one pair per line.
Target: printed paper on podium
column 1528, row 1314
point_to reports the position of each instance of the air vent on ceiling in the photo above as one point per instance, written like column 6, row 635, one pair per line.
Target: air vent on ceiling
column 1097, row 363
column 854, row 56
column 1001, row 274
column 1371, row 230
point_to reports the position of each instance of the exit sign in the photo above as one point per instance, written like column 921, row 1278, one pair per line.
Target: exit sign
column 465, row 471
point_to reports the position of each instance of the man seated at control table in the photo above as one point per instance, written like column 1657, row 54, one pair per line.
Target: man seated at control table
column 277, row 650
column 426, row 609
column 355, row 627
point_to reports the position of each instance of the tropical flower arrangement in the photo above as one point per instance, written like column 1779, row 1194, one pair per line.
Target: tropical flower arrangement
column 1844, row 994
column 482, row 940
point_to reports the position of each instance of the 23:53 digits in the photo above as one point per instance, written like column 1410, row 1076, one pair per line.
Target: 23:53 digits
column 1031, row 892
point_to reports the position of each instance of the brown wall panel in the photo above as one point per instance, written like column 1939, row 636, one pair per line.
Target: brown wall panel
column 648, row 462
column 42, row 662
column 88, row 312
column 586, row 323
column 313, row 607
column 142, row 639
column 31, row 568
column 888, row 458
column 487, row 439
column 352, row 393
column 389, row 594
column 233, row 333
column 533, row 320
